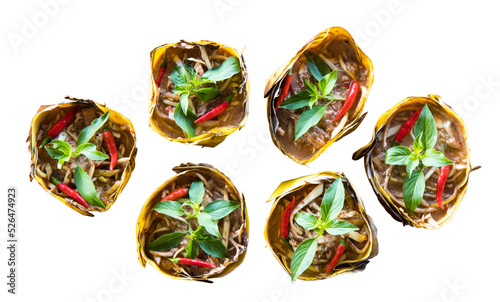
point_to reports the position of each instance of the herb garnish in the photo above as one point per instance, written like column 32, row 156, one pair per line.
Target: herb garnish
column 331, row 205
column 63, row 152
column 326, row 81
column 416, row 160
column 189, row 209
column 188, row 86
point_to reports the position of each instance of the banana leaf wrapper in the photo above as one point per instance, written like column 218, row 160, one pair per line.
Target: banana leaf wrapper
column 355, row 115
column 168, row 128
column 186, row 173
column 386, row 198
column 283, row 252
column 48, row 112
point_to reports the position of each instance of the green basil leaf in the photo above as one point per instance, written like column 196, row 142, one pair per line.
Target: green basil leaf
column 309, row 118
column 86, row 134
column 312, row 101
column 427, row 126
column 180, row 75
column 412, row 165
column 296, row 101
column 191, row 71
column 227, row 69
column 418, row 145
column 207, row 94
column 433, row 158
column 303, row 257
column 184, row 103
column 333, row 201
column 221, row 208
column 166, row 242
column 61, row 161
column 213, row 247
column 413, row 190
column 340, row 227
column 89, row 150
column 398, row 155
column 192, row 249
column 180, row 90
column 313, row 91
column 169, row 208
column 185, row 121
column 327, row 82
column 86, row 188
column 54, row 153
column 317, row 66
column 208, row 222
column 306, row 220
column 62, row 147
column 196, row 191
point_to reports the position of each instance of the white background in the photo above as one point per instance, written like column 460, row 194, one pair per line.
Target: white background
column 100, row 50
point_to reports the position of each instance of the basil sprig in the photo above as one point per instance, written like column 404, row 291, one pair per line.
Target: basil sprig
column 308, row 98
column 63, row 152
column 204, row 236
column 418, row 158
column 331, row 205
column 187, row 85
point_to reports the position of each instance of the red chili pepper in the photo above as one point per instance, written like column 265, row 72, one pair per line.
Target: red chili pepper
column 336, row 258
column 163, row 68
column 285, row 86
column 59, row 126
column 176, row 194
column 405, row 129
column 349, row 100
column 70, row 192
column 441, row 181
column 193, row 262
column 109, row 141
column 285, row 219
column 216, row 111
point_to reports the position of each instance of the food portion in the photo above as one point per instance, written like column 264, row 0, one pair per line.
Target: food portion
column 200, row 92
column 194, row 226
column 318, row 97
column 418, row 161
column 318, row 227
column 82, row 153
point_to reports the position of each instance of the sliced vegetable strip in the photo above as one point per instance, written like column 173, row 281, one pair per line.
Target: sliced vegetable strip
column 405, row 129
column 351, row 97
column 285, row 86
column 194, row 262
column 59, row 126
column 176, row 194
column 109, row 141
column 70, row 192
column 336, row 258
column 285, row 219
column 441, row 181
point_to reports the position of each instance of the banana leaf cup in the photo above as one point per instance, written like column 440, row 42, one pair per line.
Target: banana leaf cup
column 318, row 97
column 433, row 140
column 200, row 92
column 70, row 158
column 346, row 225
column 194, row 226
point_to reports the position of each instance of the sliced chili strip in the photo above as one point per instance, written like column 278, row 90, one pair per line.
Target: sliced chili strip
column 441, row 181
column 352, row 94
column 176, row 194
column 194, row 262
column 216, row 111
column 59, row 126
column 285, row 219
column 405, row 129
column 285, row 86
column 336, row 258
column 70, row 192
column 163, row 69
column 109, row 141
